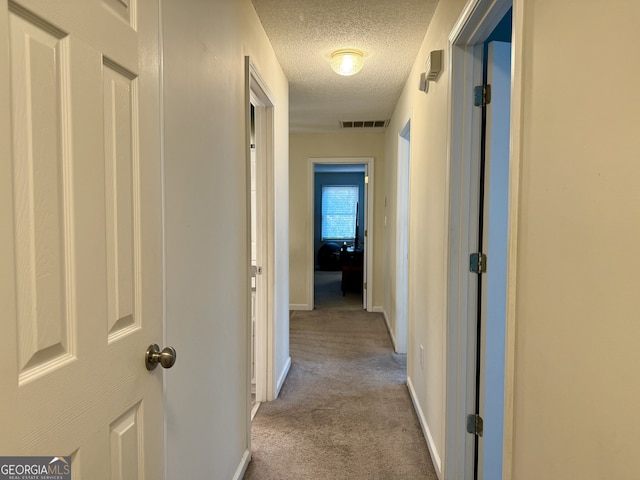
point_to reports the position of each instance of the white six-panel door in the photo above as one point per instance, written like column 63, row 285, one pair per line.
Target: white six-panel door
column 81, row 239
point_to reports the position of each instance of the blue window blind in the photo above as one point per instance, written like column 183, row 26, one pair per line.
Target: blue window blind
column 339, row 205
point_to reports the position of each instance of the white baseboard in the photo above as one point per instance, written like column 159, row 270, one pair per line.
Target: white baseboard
column 254, row 409
column 242, row 468
column 283, row 377
column 300, row 306
column 435, row 456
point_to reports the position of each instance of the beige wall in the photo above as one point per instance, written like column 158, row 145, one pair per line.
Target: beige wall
column 428, row 215
column 303, row 147
column 577, row 322
column 207, row 254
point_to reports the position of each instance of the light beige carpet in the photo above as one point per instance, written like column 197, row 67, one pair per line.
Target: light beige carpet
column 344, row 411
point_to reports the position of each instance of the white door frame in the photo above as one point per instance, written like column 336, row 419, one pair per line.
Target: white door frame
column 368, row 161
column 258, row 94
column 402, row 238
column 477, row 21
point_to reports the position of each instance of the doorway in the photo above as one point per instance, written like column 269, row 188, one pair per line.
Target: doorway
column 402, row 239
column 480, row 217
column 492, row 241
column 351, row 254
column 339, row 225
column 260, row 120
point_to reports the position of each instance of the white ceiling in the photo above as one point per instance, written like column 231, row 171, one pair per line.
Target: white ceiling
column 305, row 32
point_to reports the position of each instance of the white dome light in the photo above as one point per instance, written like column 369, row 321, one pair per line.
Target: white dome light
column 347, row 62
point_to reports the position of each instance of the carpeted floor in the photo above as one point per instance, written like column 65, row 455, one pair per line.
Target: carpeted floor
column 344, row 411
column 328, row 293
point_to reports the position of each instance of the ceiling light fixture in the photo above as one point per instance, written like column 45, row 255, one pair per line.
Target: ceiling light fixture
column 347, row 62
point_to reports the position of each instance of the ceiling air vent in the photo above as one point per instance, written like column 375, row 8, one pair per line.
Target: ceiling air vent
column 364, row 123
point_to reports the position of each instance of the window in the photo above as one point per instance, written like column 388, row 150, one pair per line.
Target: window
column 339, row 210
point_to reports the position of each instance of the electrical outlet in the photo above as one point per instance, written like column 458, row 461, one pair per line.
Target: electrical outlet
column 421, row 357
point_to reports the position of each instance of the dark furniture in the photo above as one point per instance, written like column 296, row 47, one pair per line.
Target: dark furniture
column 352, row 260
column 329, row 257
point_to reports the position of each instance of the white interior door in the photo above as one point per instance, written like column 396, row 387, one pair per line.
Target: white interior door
column 81, row 243
column 259, row 243
column 254, row 264
column 496, row 201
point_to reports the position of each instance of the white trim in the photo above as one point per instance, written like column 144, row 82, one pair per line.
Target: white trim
column 515, row 163
column 369, row 201
column 300, row 306
column 311, row 265
column 282, row 377
column 254, row 409
column 433, row 451
column 242, row 467
column 462, row 185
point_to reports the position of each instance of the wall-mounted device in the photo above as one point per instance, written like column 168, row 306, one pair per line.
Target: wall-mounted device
column 433, row 69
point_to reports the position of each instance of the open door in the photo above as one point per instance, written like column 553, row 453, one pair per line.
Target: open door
column 258, row 285
column 256, row 269
column 492, row 290
column 81, row 243
column 260, row 154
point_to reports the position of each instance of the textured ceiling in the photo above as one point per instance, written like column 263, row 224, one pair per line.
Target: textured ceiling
column 305, row 32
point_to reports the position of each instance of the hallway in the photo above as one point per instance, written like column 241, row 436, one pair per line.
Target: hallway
column 344, row 411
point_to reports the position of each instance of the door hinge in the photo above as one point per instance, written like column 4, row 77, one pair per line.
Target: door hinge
column 482, row 95
column 366, row 179
column 365, row 285
column 478, row 263
column 255, row 270
column 475, row 424
column 366, row 233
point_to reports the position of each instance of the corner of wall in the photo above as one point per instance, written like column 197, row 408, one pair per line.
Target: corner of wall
column 242, row 467
column 282, row 378
column 386, row 322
